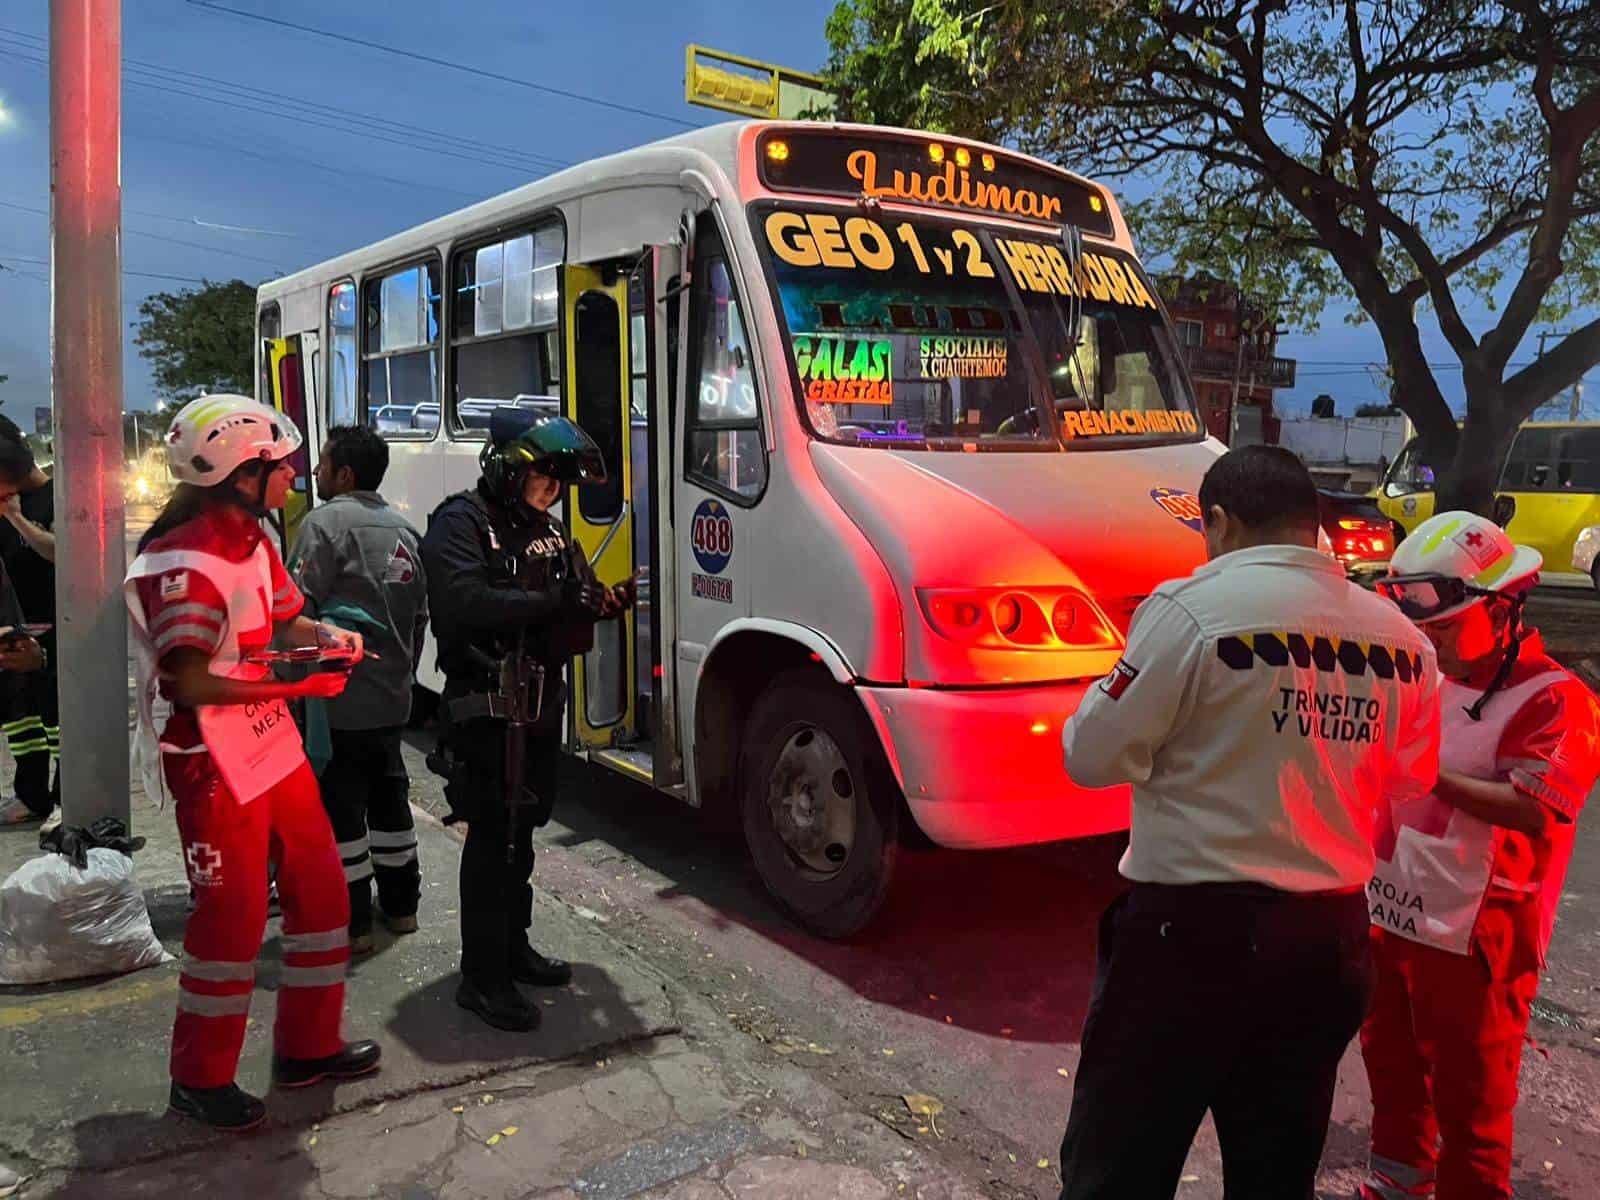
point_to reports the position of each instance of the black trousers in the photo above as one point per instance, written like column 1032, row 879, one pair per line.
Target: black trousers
column 497, row 888
column 1234, row 998
column 367, row 794
column 32, row 730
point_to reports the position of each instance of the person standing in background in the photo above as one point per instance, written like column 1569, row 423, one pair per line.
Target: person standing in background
column 359, row 564
column 30, row 702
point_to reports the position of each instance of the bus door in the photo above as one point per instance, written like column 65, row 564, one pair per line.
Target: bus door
column 596, row 394
column 289, row 363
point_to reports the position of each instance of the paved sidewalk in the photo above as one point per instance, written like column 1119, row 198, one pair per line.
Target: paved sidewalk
column 633, row 1086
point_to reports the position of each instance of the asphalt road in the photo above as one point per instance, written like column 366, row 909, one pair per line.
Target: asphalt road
column 972, row 985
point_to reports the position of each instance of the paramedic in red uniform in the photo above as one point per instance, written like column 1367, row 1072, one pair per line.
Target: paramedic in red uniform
column 1264, row 710
column 1469, row 876
column 206, row 591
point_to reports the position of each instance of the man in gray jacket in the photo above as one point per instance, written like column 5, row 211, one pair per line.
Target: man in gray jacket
column 359, row 564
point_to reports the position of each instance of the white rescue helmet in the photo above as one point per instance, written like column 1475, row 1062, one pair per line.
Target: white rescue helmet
column 1455, row 560
column 213, row 435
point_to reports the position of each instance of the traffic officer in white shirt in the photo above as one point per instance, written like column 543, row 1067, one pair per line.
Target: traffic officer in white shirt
column 1265, row 712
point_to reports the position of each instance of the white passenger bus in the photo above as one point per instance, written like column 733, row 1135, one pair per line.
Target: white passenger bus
column 898, row 437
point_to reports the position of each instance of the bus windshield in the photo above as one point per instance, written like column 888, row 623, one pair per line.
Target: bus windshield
column 931, row 334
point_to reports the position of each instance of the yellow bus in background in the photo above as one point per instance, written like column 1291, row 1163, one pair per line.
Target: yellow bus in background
column 1551, row 478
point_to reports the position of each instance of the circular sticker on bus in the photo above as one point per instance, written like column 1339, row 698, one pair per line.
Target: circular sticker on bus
column 711, row 536
column 1180, row 506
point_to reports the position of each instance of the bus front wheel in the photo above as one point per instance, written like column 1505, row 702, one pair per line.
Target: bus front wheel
column 819, row 804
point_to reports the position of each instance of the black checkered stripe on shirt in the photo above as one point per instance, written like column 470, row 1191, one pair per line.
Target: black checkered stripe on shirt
column 1242, row 651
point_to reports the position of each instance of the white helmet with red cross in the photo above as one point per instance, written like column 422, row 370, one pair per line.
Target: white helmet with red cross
column 213, row 435
column 1455, row 560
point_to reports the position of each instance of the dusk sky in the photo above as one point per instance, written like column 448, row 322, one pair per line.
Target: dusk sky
column 253, row 149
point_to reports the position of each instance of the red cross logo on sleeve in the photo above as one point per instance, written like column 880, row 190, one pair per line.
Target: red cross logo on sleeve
column 1474, row 539
column 205, row 862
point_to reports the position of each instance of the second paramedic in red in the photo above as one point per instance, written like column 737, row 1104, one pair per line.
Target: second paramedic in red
column 206, row 593
column 1469, row 876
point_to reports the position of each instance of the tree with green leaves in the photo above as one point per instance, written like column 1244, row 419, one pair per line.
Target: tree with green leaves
column 1397, row 156
column 200, row 339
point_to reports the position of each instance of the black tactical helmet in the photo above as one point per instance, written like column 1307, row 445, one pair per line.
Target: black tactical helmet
column 521, row 439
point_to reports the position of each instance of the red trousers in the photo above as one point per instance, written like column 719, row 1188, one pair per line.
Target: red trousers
column 226, row 848
column 1443, row 1044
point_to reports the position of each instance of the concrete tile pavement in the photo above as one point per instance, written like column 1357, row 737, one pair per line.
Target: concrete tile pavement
column 634, row 1086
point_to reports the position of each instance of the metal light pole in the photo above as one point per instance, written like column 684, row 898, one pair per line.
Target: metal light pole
column 86, row 359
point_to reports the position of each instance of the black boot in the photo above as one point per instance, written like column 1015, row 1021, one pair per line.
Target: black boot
column 356, row 1059
column 503, row 1007
column 529, row 966
column 226, row 1108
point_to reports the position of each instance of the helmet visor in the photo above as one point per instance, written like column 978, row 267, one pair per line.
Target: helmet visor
column 1428, row 597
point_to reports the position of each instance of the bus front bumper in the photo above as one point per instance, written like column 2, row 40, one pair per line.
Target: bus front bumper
column 982, row 769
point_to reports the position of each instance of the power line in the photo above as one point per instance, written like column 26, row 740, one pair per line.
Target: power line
column 444, row 62
column 158, row 237
column 134, row 80
column 25, row 274
column 45, row 262
column 293, row 160
column 164, row 72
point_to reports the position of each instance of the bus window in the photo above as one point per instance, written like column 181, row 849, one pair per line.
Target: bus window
column 401, row 353
column 1577, row 461
column 1531, row 462
column 342, row 362
column 269, row 324
column 724, row 431
column 598, row 406
column 639, row 370
column 503, row 342
column 1409, row 475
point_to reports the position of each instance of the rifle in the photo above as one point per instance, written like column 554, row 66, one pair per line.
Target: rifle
column 517, row 675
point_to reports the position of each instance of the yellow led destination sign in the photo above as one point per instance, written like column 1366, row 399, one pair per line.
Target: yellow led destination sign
column 1036, row 267
column 847, row 243
column 924, row 171
column 1125, row 421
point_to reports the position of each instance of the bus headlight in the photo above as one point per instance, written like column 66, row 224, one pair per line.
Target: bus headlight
column 1014, row 618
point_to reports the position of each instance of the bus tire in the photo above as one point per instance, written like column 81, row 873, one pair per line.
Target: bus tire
column 820, row 808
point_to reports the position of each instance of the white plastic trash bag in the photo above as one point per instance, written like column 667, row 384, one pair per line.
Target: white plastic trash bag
column 59, row 922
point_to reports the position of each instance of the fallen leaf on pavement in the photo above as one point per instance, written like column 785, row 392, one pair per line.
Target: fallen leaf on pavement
column 459, row 1108
column 919, row 1104
column 377, row 1108
column 509, row 1131
column 890, row 1053
column 816, row 1049
column 1043, row 1164
column 1064, row 1073
column 494, row 1140
column 313, row 1140
column 1190, row 1179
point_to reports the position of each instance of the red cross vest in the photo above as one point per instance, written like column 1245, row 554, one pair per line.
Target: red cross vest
column 1436, row 864
column 253, row 746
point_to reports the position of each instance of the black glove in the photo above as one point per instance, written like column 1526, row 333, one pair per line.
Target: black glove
column 582, row 598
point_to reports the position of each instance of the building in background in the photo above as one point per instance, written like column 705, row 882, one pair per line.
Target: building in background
column 1346, row 453
column 1229, row 346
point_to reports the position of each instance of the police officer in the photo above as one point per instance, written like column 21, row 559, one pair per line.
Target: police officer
column 1264, row 710
column 503, row 578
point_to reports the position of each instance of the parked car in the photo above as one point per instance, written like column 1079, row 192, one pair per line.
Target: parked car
column 1359, row 534
column 1586, row 554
